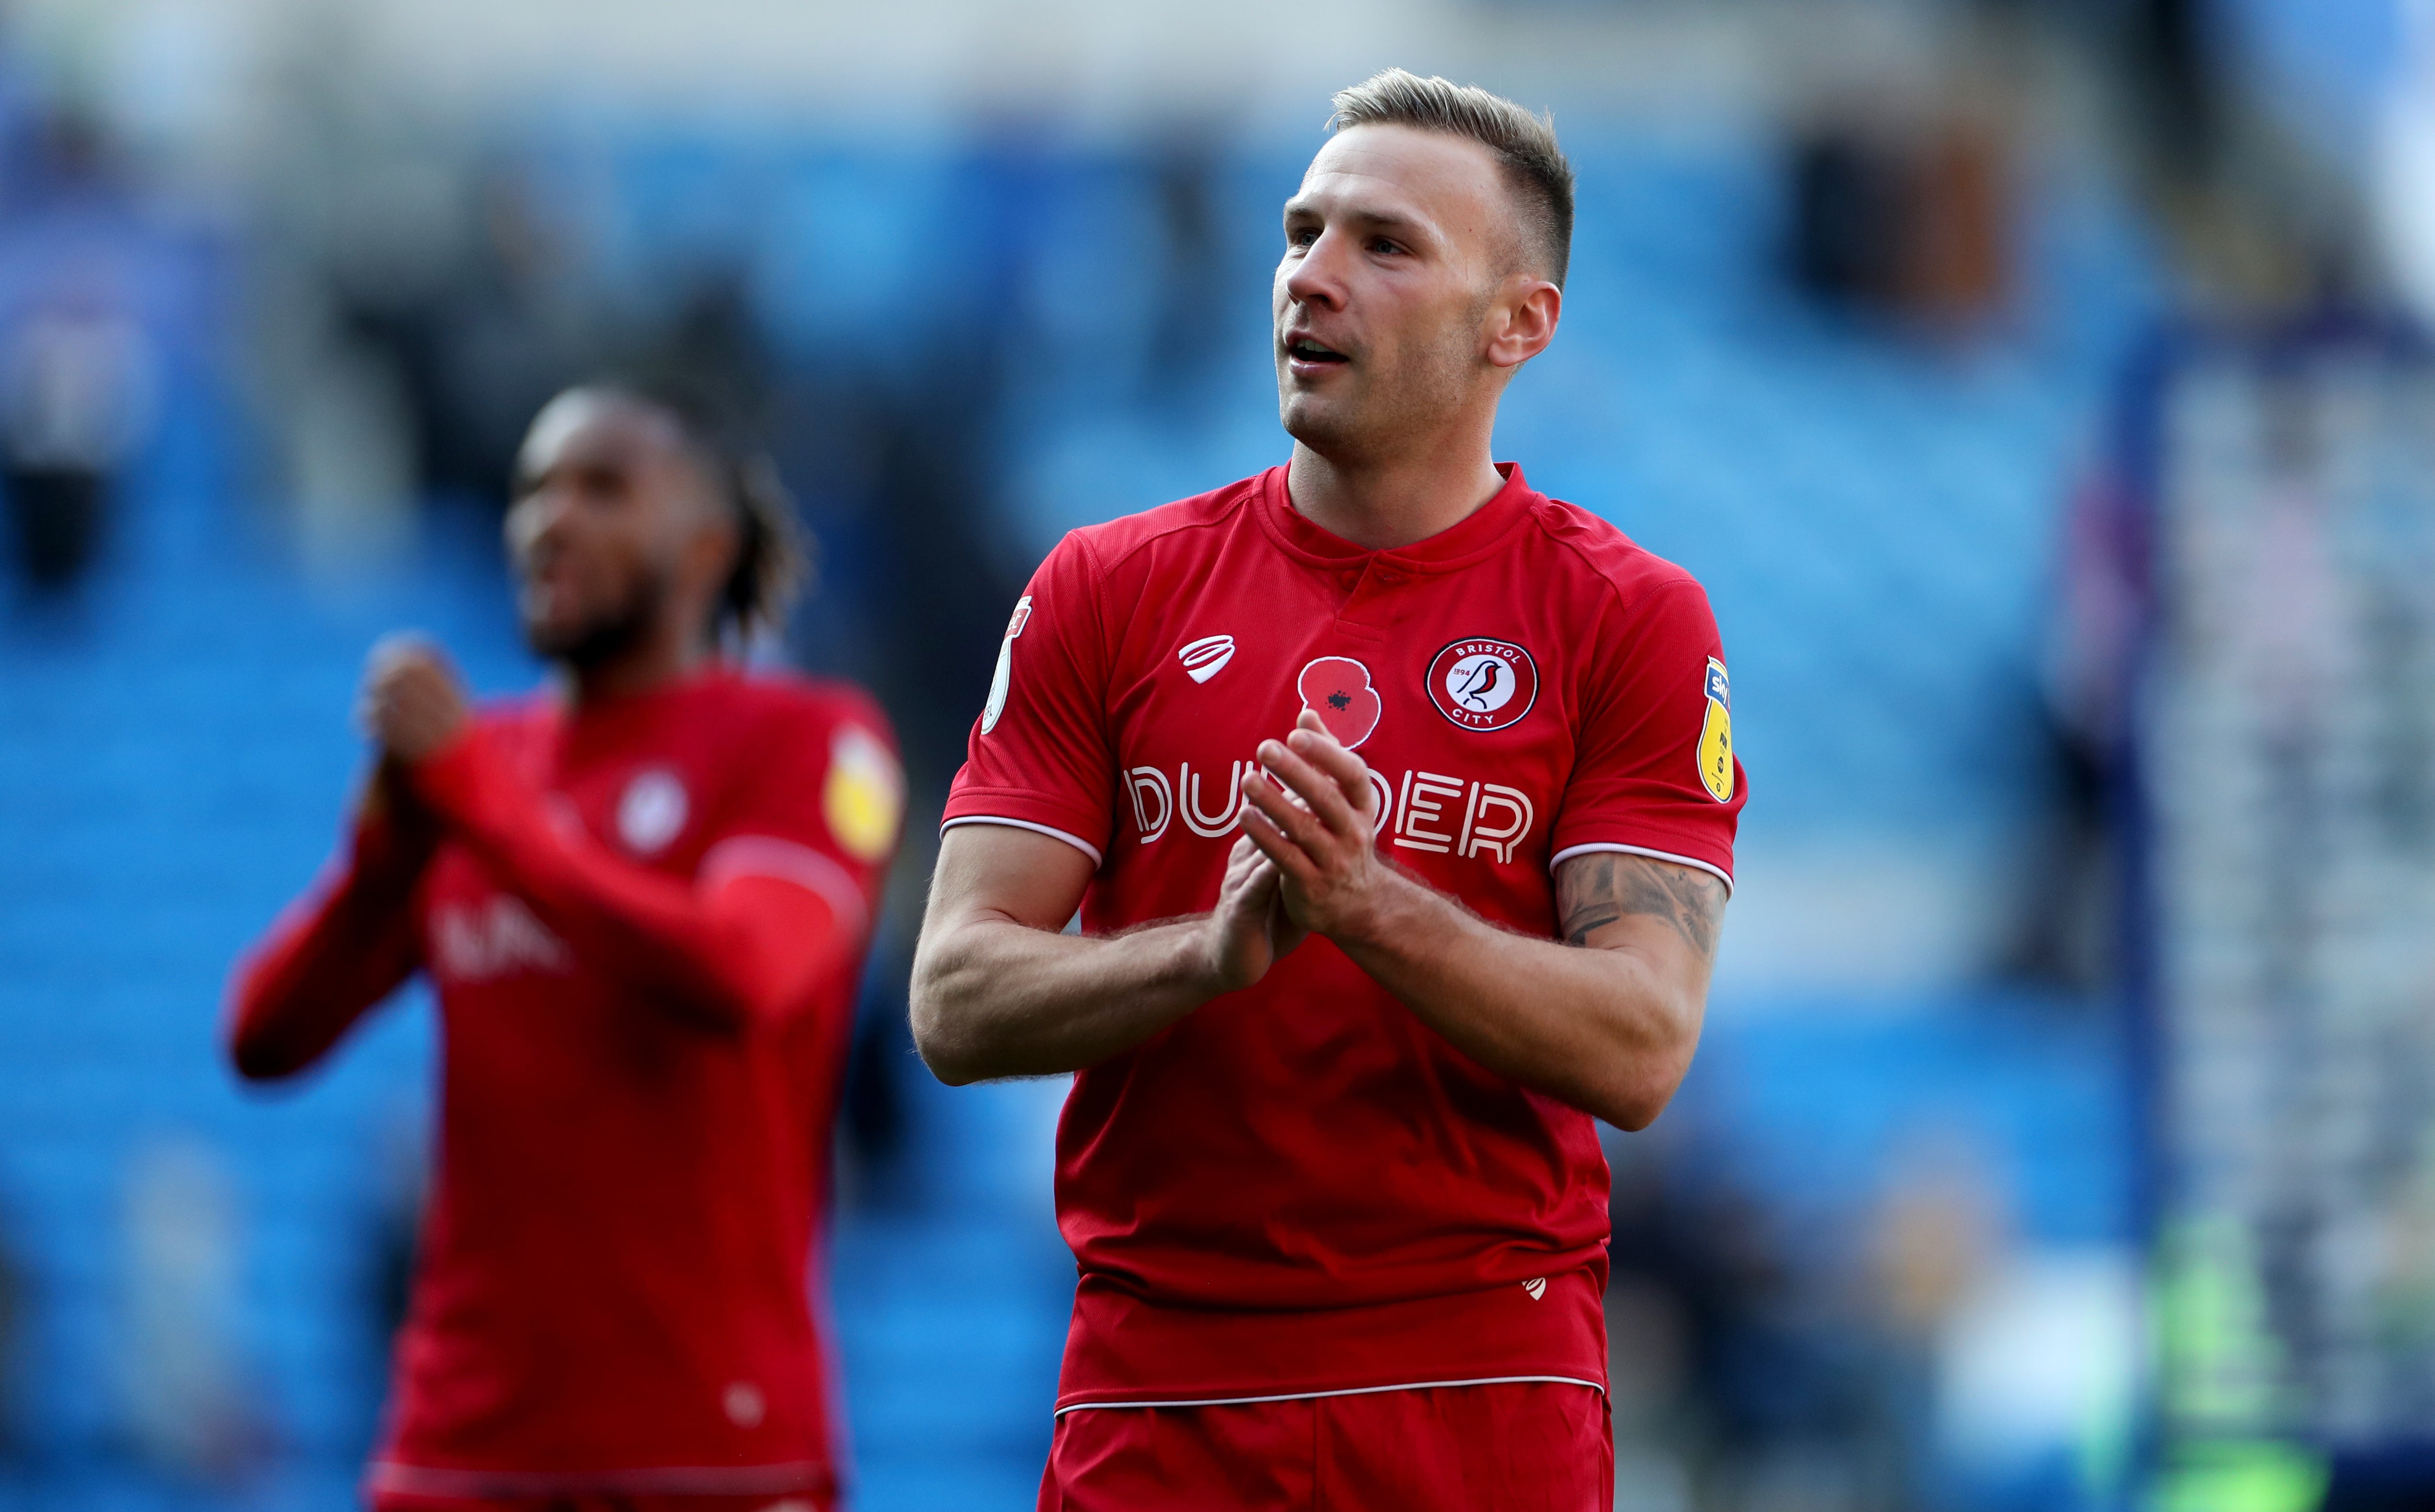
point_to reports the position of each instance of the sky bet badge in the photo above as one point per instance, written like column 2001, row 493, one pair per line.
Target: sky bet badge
column 1716, row 736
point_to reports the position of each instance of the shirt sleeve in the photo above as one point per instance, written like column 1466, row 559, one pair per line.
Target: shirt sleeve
column 1655, row 772
column 1039, row 757
column 820, row 809
column 336, row 953
column 782, row 899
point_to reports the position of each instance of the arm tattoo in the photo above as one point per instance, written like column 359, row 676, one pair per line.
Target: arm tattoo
column 1594, row 890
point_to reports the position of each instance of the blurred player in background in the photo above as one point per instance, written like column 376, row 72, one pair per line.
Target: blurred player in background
column 1328, row 1165
column 644, row 900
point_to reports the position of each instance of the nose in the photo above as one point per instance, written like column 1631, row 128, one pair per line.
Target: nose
column 1314, row 278
column 538, row 518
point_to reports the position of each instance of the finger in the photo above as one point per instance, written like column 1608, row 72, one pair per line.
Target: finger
column 398, row 647
column 1306, row 829
column 432, row 688
column 392, row 681
column 1323, row 791
column 429, row 688
column 380, row 709
column 411, row 714
column 1240, row 859
column 1335, row 758
column 1288, row 860
column 424, row 678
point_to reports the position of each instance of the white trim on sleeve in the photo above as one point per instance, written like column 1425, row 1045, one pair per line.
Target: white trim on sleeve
column 1348, row 1391
column 1710, row 867
column 1074, row 840
column 762, row 855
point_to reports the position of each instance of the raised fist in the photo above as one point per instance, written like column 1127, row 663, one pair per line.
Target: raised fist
column 412, row 703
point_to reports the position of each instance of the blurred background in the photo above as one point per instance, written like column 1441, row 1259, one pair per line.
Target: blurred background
column 2034, row 385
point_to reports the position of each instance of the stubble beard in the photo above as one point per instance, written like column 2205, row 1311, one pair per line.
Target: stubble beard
column 604, row 637
column 1373, row 422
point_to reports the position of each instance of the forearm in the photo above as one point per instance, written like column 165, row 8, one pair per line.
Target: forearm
column 331, row 958
column 753, row 949
column 1602, row 1030
column 995, row 997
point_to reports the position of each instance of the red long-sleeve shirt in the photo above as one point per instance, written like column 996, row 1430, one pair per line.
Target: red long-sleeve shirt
column 645, row 920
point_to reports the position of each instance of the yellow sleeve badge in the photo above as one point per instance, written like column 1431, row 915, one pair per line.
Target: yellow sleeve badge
column 864, row 797
column 1716, row 736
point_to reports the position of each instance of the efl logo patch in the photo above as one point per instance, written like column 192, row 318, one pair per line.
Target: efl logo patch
column 1337, row 688
column 1004, row 676
column 1483, row 684
column 864, row 796
column 1716, row 736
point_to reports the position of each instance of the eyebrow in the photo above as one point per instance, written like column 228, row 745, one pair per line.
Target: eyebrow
column 1387, row 220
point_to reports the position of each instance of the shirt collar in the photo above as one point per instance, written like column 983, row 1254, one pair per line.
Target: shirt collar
column 1468, row 540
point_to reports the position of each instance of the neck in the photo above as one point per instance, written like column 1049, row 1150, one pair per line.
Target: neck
column 1411, row 493
column 655, row 661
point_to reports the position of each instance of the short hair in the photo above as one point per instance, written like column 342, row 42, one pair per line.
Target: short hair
column 1524, row 145
column 773, row 551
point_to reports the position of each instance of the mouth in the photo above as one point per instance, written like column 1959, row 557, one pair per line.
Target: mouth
column 1303, row 351
column 548, row 587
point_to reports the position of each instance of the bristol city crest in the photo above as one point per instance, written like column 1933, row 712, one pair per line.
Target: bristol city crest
column 1482, row 684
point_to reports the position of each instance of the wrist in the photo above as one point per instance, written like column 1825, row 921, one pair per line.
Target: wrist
column 380, row 847
column 1393, row 908
column 1199, row 965
column 454, row 781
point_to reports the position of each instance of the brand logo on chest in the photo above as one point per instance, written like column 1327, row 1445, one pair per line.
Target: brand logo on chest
column 1483, row 684
column 1205, row 657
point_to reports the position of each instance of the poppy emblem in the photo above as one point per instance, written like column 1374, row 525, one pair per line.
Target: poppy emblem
column 1338, row 689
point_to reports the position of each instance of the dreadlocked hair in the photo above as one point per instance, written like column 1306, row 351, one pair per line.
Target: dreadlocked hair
column 775, row 554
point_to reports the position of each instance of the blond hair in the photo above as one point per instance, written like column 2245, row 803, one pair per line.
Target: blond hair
column 1536, row 174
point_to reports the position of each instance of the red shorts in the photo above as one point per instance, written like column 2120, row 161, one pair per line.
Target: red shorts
column 1525, row 1447
column 799, row 1501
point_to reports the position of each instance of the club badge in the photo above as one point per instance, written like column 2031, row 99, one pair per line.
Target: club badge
column 651, row 811
column 1483, row 684
column 1716, row 736
column 1337, row 688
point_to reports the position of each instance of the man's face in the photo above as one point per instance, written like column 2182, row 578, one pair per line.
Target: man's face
column 1395, row 246
column 606, row 497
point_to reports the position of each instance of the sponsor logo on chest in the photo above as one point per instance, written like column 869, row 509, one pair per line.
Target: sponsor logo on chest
column 1478, row 683
column 498, row 938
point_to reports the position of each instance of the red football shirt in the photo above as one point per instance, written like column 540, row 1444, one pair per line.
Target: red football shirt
column 614, row 1287
column 1300, row 1187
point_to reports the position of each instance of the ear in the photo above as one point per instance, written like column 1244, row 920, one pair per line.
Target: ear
column 1523, row 320
column 710, row 551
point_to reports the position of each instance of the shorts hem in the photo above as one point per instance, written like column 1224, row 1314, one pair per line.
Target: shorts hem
column 1339, row 1391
